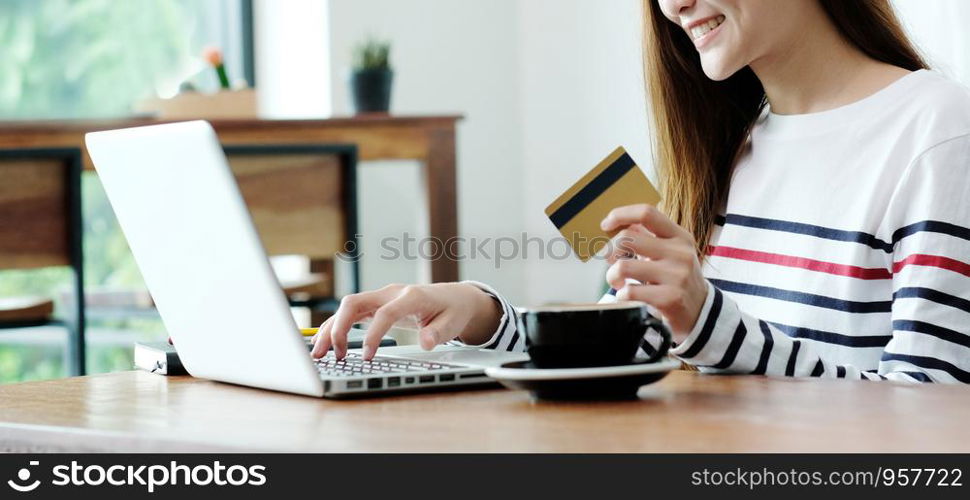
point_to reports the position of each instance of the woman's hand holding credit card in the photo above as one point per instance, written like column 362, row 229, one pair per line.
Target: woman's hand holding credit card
column 652, row 259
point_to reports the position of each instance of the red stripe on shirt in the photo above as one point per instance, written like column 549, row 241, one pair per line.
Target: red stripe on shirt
column 933, row 261
column 865, row 273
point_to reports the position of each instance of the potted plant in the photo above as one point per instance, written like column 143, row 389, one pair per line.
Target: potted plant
column 370, row 81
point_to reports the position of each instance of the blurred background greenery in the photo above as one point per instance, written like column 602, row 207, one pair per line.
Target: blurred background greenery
column 90, row 59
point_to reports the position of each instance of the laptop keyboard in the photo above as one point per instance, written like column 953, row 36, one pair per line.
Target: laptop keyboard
column 353, row 365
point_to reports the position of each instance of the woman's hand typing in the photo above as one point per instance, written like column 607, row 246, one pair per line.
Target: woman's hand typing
column 442, row 311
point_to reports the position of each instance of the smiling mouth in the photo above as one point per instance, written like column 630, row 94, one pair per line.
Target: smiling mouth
column 704, row 28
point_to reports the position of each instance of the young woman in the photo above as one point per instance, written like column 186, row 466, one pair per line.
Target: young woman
column 817, row 213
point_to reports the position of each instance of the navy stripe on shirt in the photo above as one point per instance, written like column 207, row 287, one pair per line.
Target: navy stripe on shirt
column 765, row 349
column 805, row 229
column 515, row 338
column 934, row 330
column 882, row 306
column 647, row 348
column 732, row 351
column 934, row 296
column 819, row 369
column 501, row 327
column 707, row 329
column 931, row 363
column 931, row 226
column 792, row 359
column 922, row 377
column 828, row 233
column 834, row 338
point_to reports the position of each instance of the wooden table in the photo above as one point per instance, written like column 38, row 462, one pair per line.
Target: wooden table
column 427, row 139
column 686, row 412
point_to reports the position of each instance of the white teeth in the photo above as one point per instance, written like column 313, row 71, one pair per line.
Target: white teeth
column 702, row 29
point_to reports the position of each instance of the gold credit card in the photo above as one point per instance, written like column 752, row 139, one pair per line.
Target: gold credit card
column 614, row 182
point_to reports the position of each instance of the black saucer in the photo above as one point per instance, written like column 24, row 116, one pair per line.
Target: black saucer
column 595, row 383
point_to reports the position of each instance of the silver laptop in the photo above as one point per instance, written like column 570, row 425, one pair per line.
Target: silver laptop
column 192, row 237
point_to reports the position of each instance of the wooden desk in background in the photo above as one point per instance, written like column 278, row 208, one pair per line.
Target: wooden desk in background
column 429, row 140
column 686, row 412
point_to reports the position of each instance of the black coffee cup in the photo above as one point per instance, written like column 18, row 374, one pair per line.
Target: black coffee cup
column 588, row 335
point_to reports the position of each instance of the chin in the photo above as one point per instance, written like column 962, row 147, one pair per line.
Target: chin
column 717, row 70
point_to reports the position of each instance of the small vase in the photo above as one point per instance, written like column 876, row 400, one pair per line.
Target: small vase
column 371, row 90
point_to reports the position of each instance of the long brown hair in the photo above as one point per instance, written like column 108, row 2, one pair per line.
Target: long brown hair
column 700, row 126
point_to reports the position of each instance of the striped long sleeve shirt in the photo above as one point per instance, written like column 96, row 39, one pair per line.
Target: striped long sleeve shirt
column 843, row 247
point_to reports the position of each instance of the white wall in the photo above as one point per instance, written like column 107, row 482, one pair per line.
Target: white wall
column 582, row 95
column 292, row 58
column 548, row 88
column 449, row 56
column 937, row 28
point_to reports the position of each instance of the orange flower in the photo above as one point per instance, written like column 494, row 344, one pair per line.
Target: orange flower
column 213, row 56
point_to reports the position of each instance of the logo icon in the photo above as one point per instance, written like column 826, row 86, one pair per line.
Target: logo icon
column 24, row 476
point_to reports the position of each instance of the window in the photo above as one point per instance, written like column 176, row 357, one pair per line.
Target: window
column 94, row 59
column 97, row 58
